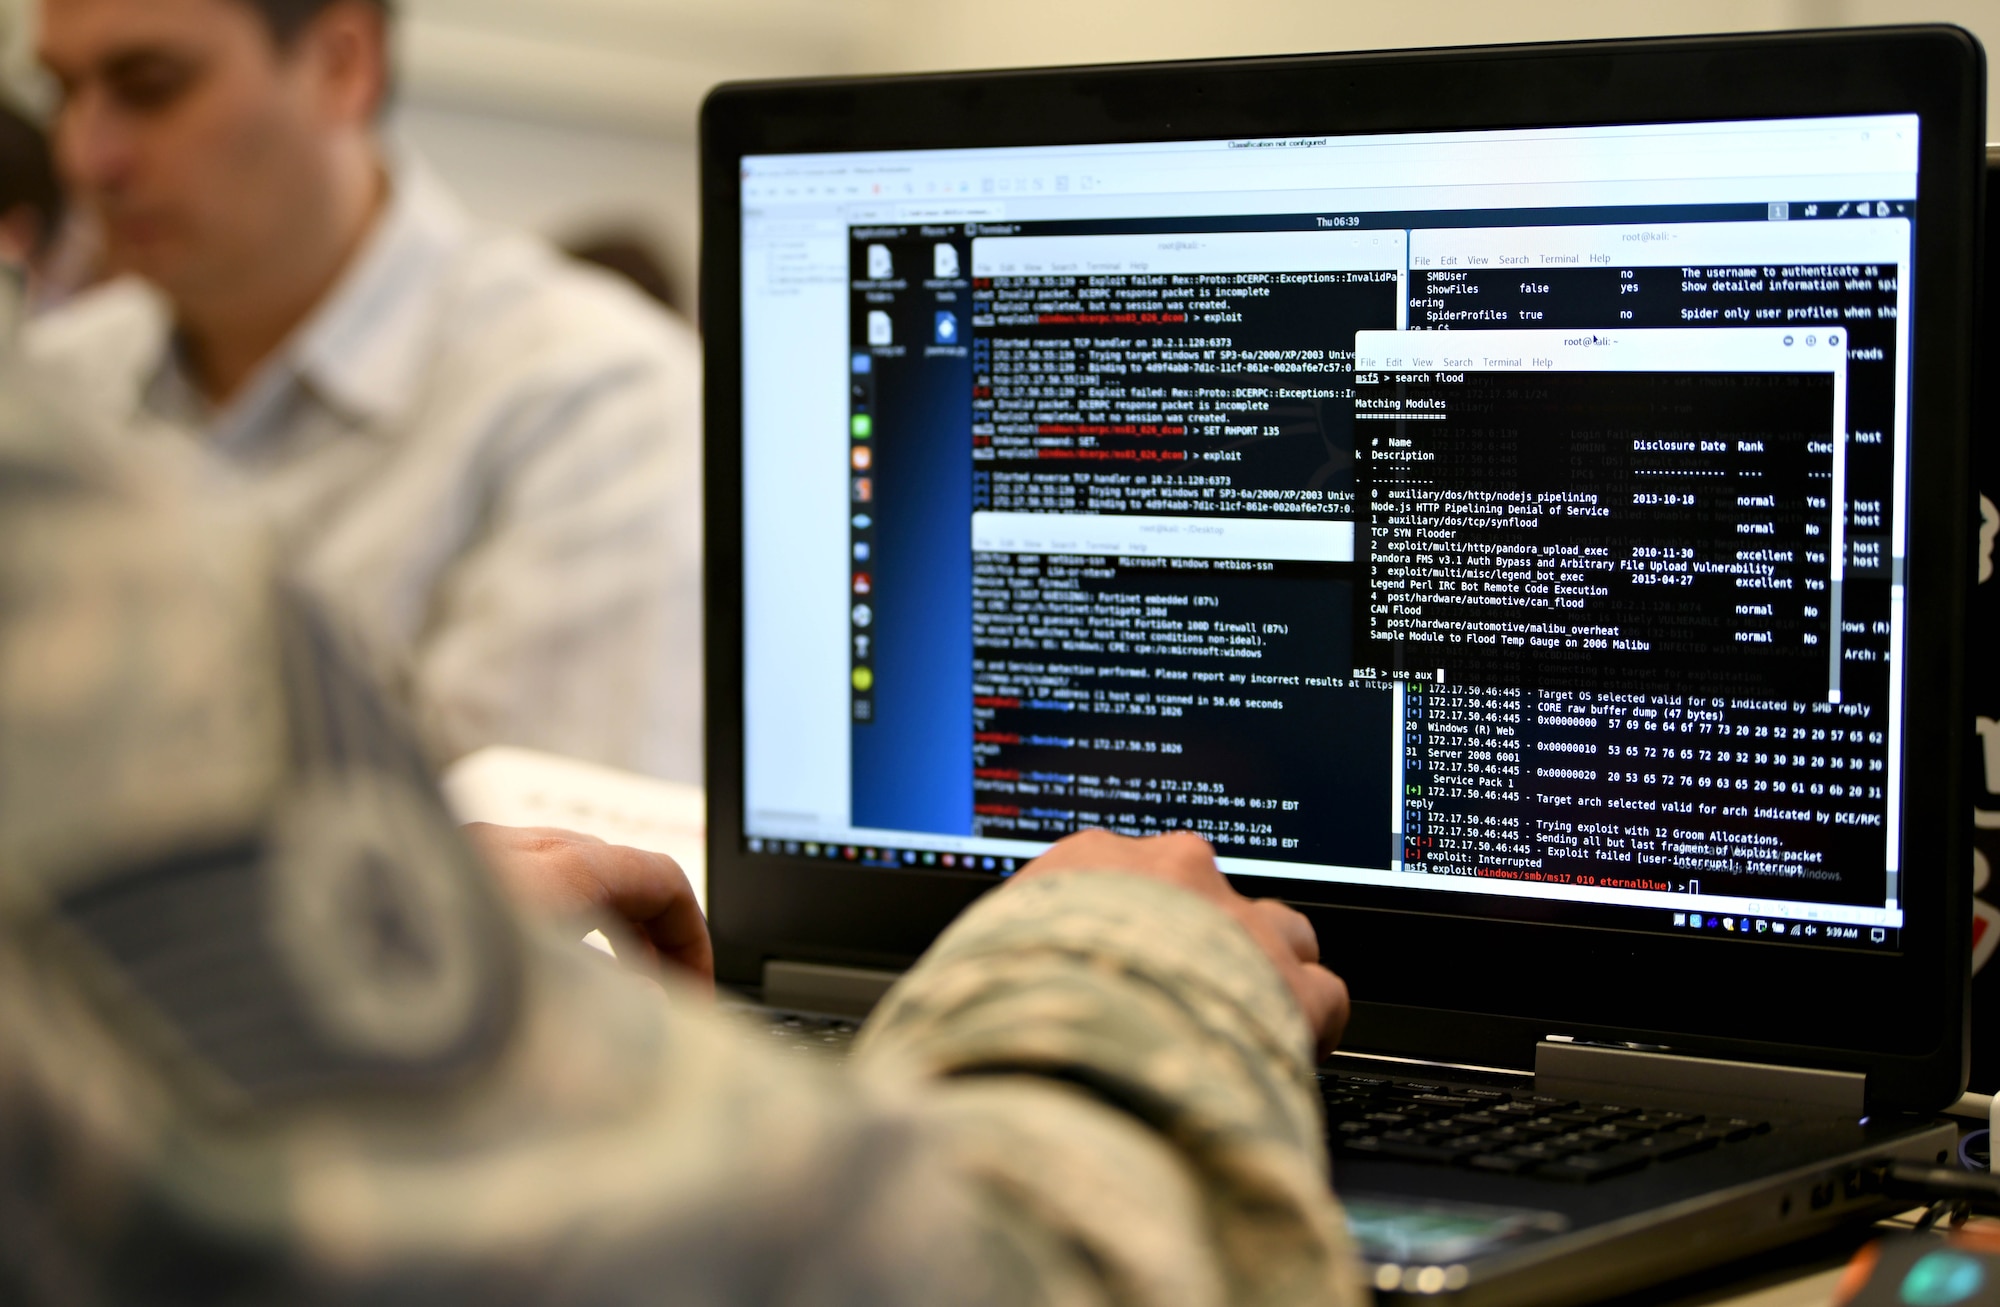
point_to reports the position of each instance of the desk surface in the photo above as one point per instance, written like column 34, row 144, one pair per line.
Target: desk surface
column 1798, row 1275
column 1813, row 1290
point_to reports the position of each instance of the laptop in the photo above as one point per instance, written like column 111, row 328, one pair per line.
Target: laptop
column 1511, row 501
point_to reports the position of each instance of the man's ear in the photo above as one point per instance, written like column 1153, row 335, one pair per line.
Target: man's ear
column 346, row 48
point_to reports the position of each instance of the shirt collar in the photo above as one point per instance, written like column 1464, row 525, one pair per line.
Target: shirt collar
column 363, row 350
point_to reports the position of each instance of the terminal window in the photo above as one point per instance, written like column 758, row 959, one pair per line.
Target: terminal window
column 1411, row 561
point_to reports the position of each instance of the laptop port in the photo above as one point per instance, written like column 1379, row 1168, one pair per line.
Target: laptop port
column 1822, row 1194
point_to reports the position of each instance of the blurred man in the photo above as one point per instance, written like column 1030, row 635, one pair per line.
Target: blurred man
column 481, row 458
column 268, row 1034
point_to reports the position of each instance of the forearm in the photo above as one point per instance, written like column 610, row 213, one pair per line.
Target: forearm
column 1110, row 1036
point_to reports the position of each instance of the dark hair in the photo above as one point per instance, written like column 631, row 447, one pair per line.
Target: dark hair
column 28, row 175
column 632, row 257
column 287, row 18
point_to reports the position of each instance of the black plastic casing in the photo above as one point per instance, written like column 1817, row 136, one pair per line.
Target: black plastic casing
column 1444, row 987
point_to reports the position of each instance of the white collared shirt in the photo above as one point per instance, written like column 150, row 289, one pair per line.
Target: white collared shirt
column 484, row 459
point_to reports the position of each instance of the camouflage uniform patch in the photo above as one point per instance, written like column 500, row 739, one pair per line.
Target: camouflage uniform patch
column 268, row 1034
column 372, row 912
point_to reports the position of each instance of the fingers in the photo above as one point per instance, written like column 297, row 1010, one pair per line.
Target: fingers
column 1292, row 927
column 652, row 893
column 658, row 899
column 1188, row 861
column 1288, row 939
column 1181, row 858
column 561, row 873
column 1323, row 997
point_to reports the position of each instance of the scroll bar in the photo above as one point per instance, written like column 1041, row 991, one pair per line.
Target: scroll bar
column 1837, row 551
column 1396, row 797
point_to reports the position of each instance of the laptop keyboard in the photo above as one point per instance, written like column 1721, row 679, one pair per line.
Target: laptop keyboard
column 1494, row 1130
column 1507, row 1133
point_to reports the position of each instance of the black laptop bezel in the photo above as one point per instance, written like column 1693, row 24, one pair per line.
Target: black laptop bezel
column 1901, row 1019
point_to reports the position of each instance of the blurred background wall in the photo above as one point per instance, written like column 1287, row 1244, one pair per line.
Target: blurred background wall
column 575, row 117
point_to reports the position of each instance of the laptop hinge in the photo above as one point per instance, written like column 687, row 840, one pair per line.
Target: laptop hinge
column 1673, row 1079
column 836, row 991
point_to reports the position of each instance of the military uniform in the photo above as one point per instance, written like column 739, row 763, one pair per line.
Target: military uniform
column 267, row 1034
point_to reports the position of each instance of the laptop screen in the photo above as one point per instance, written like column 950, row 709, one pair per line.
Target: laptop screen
column 1493, row 523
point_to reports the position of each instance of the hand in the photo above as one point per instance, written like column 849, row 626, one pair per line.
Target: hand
column 1186, row 860
column 559, row 873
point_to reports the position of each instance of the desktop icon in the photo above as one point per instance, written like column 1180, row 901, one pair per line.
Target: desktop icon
column 1680, row 918
column 944, row 262
column 880, row 332
column 862, row 644
column 864, row 490
column 756, row 846
column 1881, row 208
column 1695, row 921
column 1876, row 935
column 864, row 364
column 1762, row 927
column 1795, row 929
column 862, row 458
column 812, row 850
column 947, row 328
column 1729, row 923
column 1711, row 923
column 862, row 426
column 863, row 583
column 862, row 522
column 861, row 551
column 880, row 266
column 863, row 615
column 950, row 861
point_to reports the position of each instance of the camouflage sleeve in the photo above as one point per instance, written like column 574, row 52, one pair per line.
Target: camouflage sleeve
column 267, row 1032
column 1119, row 1062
